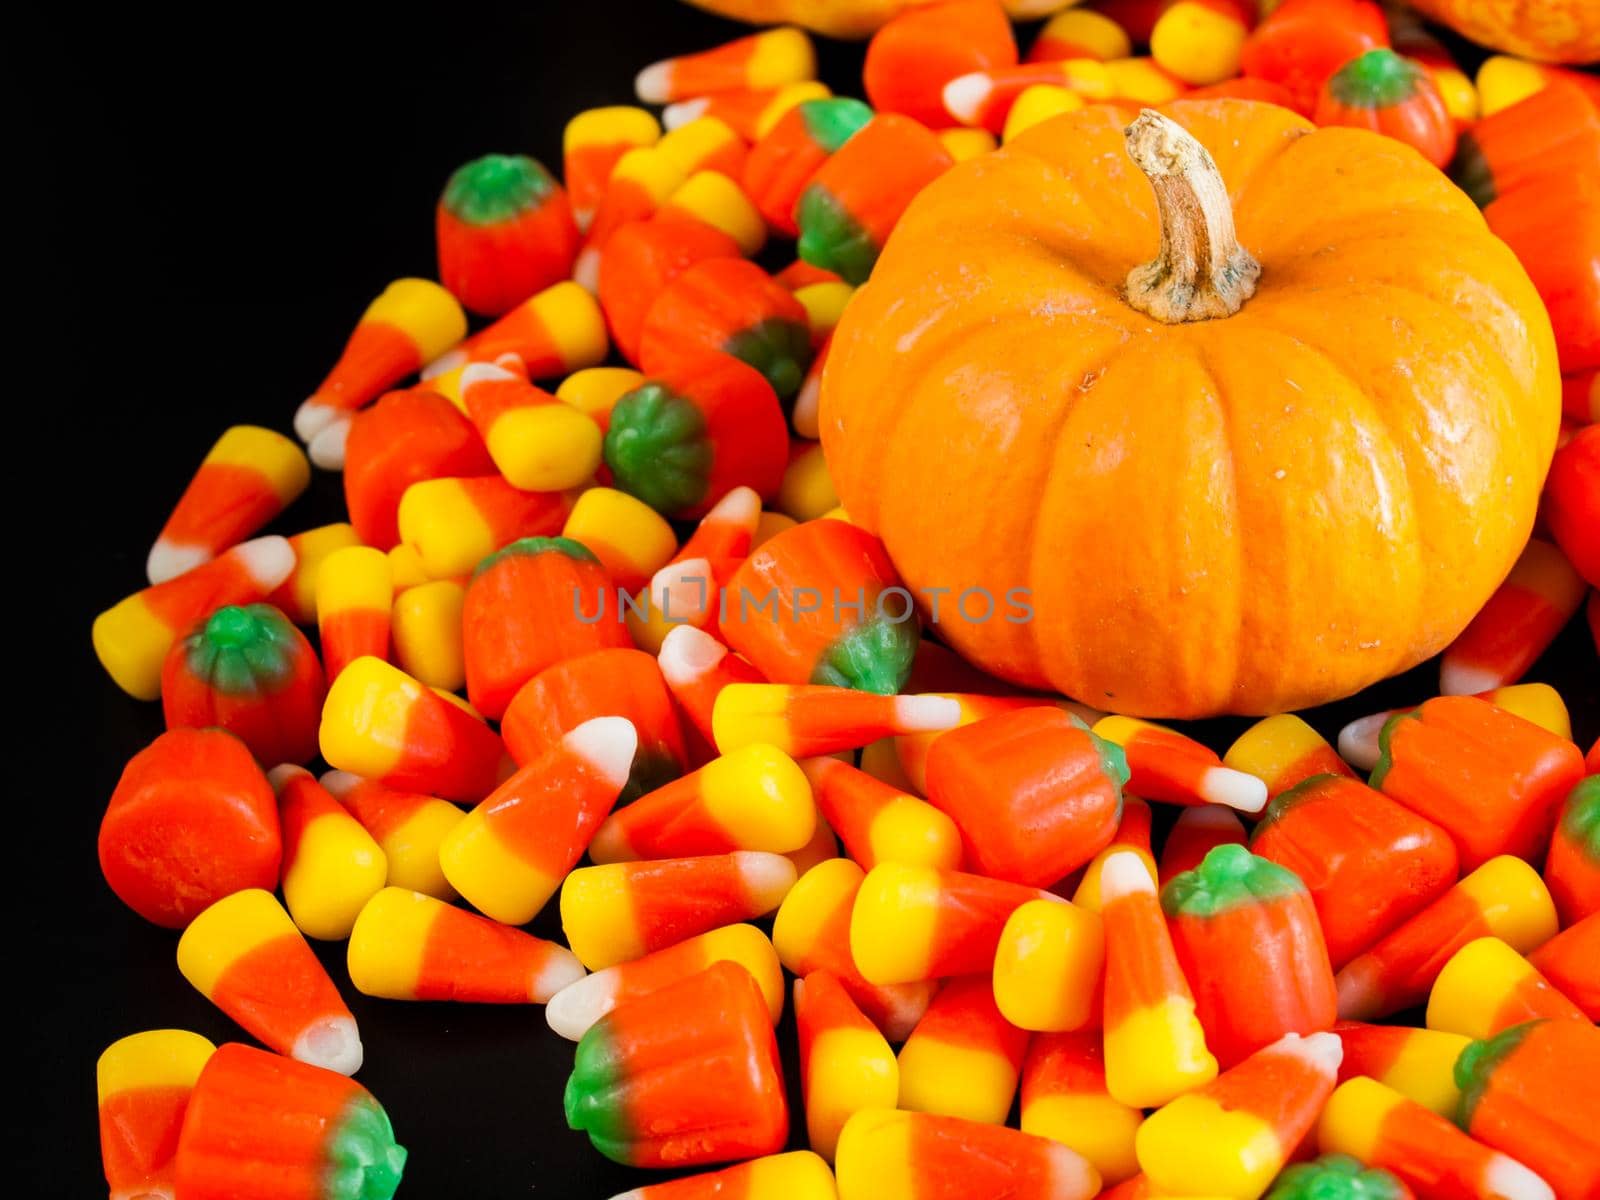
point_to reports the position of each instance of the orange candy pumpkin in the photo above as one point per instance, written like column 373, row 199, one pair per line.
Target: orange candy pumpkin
column 1296, row 462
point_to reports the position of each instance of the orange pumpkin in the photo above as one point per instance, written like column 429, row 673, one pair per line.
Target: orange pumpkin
column 1223, row 493
column 1566, row 31
column 853, row 18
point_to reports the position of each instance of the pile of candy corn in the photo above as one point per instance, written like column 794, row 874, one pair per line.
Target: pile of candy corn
column 537, row 676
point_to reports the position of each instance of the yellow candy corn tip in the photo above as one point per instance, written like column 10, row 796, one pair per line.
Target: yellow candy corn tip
column 1472, row 985
column 547, row 448
column 893, row 922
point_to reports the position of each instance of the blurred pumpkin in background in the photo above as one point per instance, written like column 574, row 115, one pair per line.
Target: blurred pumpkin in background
column 1256, row 473
column 1561, row 31
column 850, row 18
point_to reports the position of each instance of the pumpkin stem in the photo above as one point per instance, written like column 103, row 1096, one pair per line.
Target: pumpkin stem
column 1201, row 272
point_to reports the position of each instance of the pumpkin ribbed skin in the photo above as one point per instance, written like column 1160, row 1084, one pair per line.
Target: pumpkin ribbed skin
column 1246, row 515
column 1560, row 31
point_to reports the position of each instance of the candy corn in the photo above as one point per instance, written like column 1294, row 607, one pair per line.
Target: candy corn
column 1567, row 960
column 1487, row 987
column 454, row 524
column 354, row 593
column 1197, row 832
column 407, row 946
column 1165, row 766
column 1034, row 792
column 755, row 798
column 143, row 1083
column 529, row 607
column 777, row 613
column 408, row 827
column 537, row 442
column 1048, row 966
column 812, row 933
column 985, row 99
column 697, row 667
column 1427, row 1153
column 1064, row 1098
column 963, row 1059
column 1155, row 1047
column 1491, row 780
column 260, row 1127
column 622, row 911
column 807, row 720
column 579, row 1005
column 192, row 819
column 700, row 143
column 911, row 58
column 245, row 955
column 1522, row 1093
column 132, row 637
column 615, row 682
column 1248, row 940
column 381, row 724
column 768, row 59
column 879, row 823
column 425, row 630
column 1417, row 1063
column 856, row 197
column 505, row 230
column 1080, row 33
column 553, row 332
column 1232, row 1136
column 250, row 672
column 630, row 539
column 689, row 1078
column 846, row 1066
column 685, row 591
column 296, row 596
column 747, row 112
column 1504, row 898
column 887, row 1155
column 642, row 180
column 412, row 322
column 1369, row 863
column 916, row 923
column 331, row 864
column 1036, row 105
column 592, row 142
column 248, row 477
column 1282, row 751
column 510, row 853
column 799, row 1175
column 1520, row 620
column 596, row 390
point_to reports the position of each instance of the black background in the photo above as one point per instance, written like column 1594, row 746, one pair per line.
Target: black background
column 210, row 205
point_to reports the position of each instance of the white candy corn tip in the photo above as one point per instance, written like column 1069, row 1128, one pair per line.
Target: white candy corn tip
column 926, row 714
column 653, row 85
column 339, row 784
column 448, row 361
column 586, row 270
column 741, row 506
column 1358, row 741
column 1323, row 1051
column 312, row 417
column 1508, row 1179
column 676, row 116
column 267, row 560
column 562, row 970
column 1214, row 817
column 1357, row 986
column 1072, row 1176
column 1124, row 874
column 281, row 774
column 326, row 450
column 807, row 414
column 1464, row 679
column 572, row 1010
column 767, row 878
column 687, row 653
column 168, row 560
column 486, row 372
column 332, row 1043
column 964, row 96
column 1235, row 789
column 682, row 591
column 608, row 745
